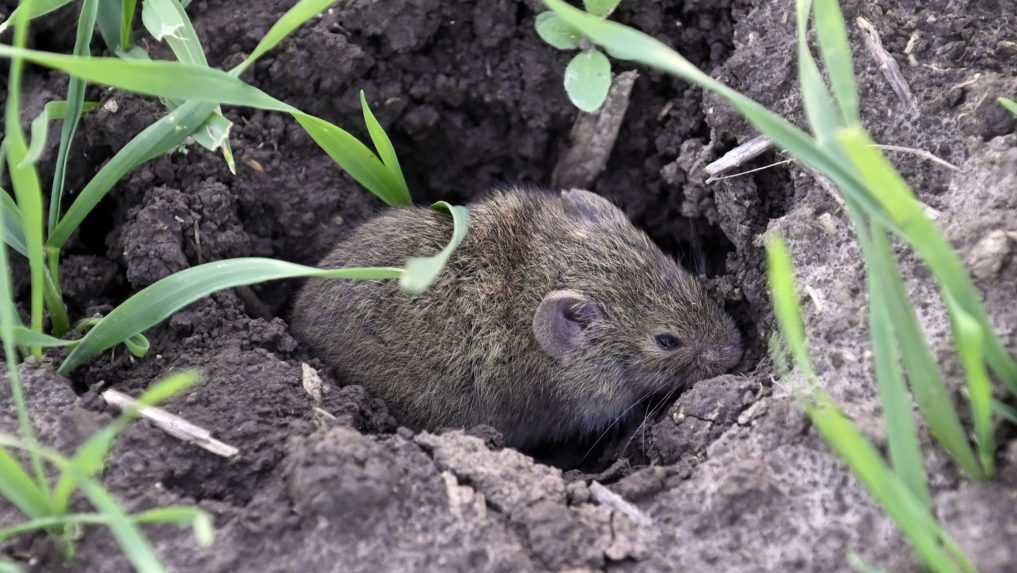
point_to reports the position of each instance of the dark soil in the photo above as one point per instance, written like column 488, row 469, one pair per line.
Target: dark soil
column 730, row 477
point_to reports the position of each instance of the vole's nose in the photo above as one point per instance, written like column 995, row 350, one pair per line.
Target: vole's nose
column 723, row 357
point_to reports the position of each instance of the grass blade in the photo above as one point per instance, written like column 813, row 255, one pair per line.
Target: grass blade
column 386, row 151
column 901, row 433
column 25, row 180
column 156, row 302
column 293, row 18
column 785, row 302
column 127, row 23
column 1008, row 103
column 76, row 106
column 90, row 456
column 12, row 234
column 819, row 106
column 27, row 337
column 167, row 21
column 34, row 10
column 625, row 43
column 189, row 82
column 153, row 141
column 899, row 202
column 18, row 488
column 109, row 22
column 421, row 272
column 40, row 127
column 969, row 334
column 831, row 32
column 130, row 539
column 931, row 542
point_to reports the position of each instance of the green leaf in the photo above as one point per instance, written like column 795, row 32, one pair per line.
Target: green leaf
column 13, row 234
column 819, row 106
column 91, row 455
column 421, row 272
column 899, row 202
column 110, row 23
column 138, row 345
column 76, row 106
column 836, row 50
column 588, row 79
column 127, row 23
column 26, row 337
column 901, row 433
column 385, row 149
column 1005, row 411
column 153, row 141
column 933, row 545
column 25, row 181
column 293, row 18
column 785, row 302
column 34, row 10
column 189, row 82
column 167, row 21
column 17, row 487
column 969, row 336
column 200, row 521
column 555, row 32
column 40, row 127
column 8, row 567
column 601, row 8
column 1008, row 103
column 156, row 302
column 130, row 539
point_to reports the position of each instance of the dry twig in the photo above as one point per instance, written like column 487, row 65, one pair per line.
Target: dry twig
column 171, row 424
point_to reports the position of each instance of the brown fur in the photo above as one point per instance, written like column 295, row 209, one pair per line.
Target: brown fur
column 464, row 353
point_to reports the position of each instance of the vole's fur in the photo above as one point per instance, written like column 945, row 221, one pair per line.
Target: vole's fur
column 471, row 350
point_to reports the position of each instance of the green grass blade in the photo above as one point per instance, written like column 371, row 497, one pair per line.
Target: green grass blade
column 1005, row 411
column 831, row 32
column 156, row 302
column 625, row 43
column 128, row 536
column 386, row 151
column 421, row 272
column 969, row 334
column 40, row 127
column 819, row 106
column 90, row 456
column 8, row 567
column 901, row 433
column 200, row 521
column 27, row 337
column 34, row 10
column 167, row 21
column 1008, row 103
column 354, row 157
column 25, row 180
column 13, row 234
column 931, row 542
column 927, row 384
column 129, row 7
column 153, row 141
column 109, row 23
column 75, row 100
column 17, row 487
column 189, row 82
column 293, row 18
column 914, row 225
column 785, row 302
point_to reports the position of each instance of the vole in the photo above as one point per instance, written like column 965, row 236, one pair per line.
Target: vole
column 551, row 320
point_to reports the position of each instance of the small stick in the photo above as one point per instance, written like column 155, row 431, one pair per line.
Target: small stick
column 609, row 498
column 593, row 137
column 171, row 424
column 740, row 155
column 887, row 64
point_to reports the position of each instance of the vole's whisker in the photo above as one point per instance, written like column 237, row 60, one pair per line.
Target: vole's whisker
column 613, row 423
column 646, row 418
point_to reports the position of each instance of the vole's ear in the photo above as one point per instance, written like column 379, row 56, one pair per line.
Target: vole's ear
column 591, row 207
column 561, row 319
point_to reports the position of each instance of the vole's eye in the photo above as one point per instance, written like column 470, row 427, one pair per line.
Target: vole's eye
column 667, row 341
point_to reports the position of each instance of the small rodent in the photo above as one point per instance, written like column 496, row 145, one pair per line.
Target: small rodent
column 553, row 317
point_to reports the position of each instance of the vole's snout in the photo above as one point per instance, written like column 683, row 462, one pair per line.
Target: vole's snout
column 723, row 358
